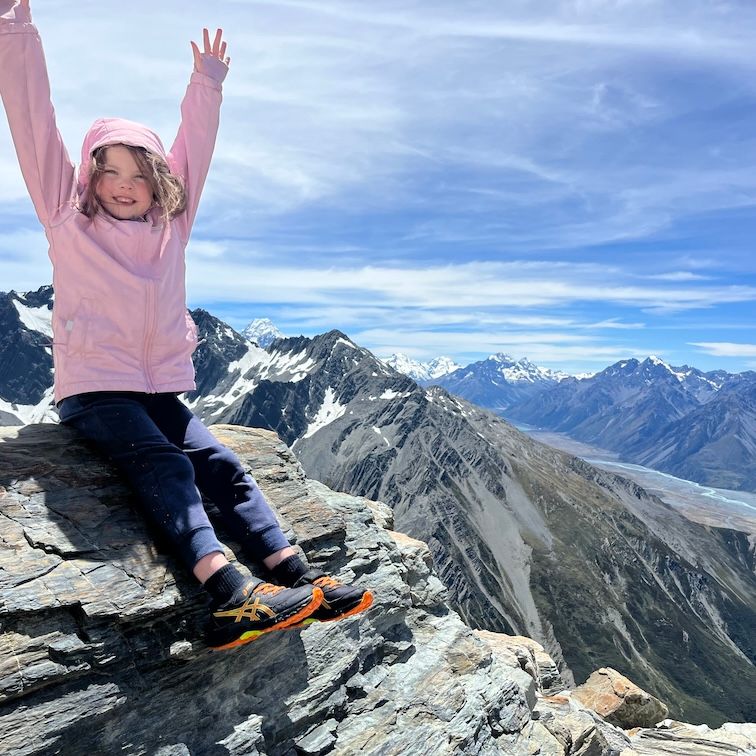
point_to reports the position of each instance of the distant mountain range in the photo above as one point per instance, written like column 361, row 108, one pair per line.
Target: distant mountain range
column 517, row 529
column 695, row 425
column 499, row 381
column 680, row 420
column 422, row 371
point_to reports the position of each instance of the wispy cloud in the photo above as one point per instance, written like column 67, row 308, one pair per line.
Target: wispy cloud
column 518, row 284
column 726, row 349
column 563, row 167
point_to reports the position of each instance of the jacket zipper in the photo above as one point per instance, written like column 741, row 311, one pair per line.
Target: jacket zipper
column 149, row 335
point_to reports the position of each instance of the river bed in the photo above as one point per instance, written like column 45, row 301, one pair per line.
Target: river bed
column 705, row 504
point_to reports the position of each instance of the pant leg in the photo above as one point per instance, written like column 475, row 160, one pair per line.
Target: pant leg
column 161, row 474
column 221, row 477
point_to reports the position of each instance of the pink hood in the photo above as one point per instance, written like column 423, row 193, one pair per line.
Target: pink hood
column 116, row 131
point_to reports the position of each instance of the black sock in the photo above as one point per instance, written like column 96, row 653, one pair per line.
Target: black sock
column 288, row 571
column 224, row 583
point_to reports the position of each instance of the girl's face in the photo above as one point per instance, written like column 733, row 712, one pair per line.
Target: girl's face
column 121, row 187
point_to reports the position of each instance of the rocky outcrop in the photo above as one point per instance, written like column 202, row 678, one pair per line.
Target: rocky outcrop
column 528, row 655
column 101, row 648
column 517, row 530
column 620, row 701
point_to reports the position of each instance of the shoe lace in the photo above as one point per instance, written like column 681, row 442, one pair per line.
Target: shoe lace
column 268, row 588
column 326, row 582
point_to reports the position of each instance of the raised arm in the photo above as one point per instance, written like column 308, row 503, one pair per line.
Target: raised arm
column 25, row 90
column 192, row 150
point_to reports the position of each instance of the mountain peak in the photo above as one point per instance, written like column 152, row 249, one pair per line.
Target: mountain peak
column 504, row 358
column 263, row 332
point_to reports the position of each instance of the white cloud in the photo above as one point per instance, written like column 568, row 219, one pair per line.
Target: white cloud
column 521, row 284
column 726, row 349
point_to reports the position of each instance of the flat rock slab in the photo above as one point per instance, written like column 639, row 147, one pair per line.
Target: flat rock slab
column 681, row 739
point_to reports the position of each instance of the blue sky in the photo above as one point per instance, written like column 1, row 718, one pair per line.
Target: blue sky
column 572, row 181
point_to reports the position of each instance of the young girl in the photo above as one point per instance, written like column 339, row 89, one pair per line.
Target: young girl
column 123, row 338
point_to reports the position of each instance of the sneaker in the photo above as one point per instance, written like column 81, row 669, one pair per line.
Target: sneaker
column 259, row 608
column 339, row 600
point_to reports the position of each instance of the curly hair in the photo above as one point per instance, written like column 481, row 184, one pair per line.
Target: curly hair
column 168, row 191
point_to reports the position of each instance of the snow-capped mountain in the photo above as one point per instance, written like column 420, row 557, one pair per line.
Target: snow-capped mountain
column 499, row 381
column 699, row 426
column 26, row 357
column 262, row 332
column 422, row 371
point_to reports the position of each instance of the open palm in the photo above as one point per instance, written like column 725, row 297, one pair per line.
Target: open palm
column 212, row 55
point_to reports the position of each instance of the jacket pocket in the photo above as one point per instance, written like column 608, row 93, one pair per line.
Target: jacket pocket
column 78, row 329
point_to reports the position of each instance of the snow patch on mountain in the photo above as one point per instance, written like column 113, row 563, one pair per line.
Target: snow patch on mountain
column 524, row 371
column 35, row 318
column 346, row 342
column 297, row 365
column 329, row 411
column 380, row 433
column 42, row 412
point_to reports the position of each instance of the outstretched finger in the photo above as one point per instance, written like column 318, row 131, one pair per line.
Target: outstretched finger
column 197, row 58
column 217, row 42
column 206, row 40
column 222, row 53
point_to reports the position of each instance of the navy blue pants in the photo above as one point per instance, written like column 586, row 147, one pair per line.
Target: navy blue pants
column 166, row 454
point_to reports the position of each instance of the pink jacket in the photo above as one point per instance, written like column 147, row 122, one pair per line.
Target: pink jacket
column 119, row 321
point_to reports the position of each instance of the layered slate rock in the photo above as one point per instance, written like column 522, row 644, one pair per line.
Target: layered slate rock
column 101, row 651
column 670, row 737
column 529, row 655
column 101, row 629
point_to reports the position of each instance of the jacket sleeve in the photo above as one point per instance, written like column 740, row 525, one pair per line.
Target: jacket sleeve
column 192, row 150
column 25, row 89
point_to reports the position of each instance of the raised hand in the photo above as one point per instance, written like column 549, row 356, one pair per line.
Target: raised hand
column 212, row 61
column 13, row 11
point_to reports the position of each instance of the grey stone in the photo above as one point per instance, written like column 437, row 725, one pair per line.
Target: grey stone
column 670, row 737
column 102, row 651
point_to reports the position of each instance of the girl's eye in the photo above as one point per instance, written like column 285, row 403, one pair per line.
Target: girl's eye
column 109, row 170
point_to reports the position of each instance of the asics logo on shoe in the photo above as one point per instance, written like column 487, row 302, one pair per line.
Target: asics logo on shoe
column 252, row 609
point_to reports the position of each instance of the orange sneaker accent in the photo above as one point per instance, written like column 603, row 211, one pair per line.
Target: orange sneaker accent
column 367, row 600
column 304, row 612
